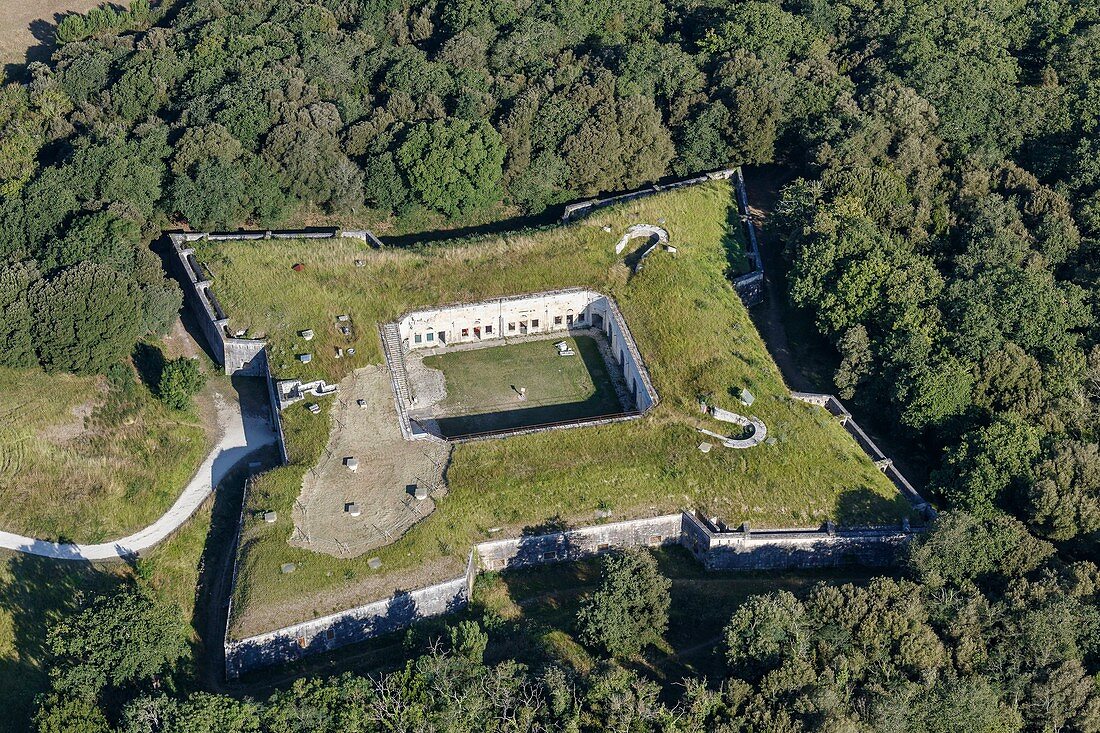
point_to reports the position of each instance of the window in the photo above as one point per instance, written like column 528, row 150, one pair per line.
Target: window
column 302, row 641
column 488, row 329
column 416, row 338
column 465, row 332
column 552, row 555
column 330, row 634
column 511, row 326
column 569, row 320
column 431, row 337
column 580, row 318
column 534, row 323
column 557, row 320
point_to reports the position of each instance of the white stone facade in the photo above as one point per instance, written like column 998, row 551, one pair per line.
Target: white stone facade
column 531, row 314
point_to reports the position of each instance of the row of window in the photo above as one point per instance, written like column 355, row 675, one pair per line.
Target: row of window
column 488, row 329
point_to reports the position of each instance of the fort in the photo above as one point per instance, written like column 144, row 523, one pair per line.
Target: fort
column 421, row 427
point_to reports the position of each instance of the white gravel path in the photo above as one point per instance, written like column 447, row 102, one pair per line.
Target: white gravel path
column 241, row 432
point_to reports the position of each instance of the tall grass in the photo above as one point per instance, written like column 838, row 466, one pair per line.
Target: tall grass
column 89, row 459
column 692, row 330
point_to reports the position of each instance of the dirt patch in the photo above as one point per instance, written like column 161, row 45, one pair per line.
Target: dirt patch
column 66, row 432
column 365, row 429
column 27, row 28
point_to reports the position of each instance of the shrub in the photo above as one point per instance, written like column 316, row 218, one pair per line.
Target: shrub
column 179, row 381
column 630, row 608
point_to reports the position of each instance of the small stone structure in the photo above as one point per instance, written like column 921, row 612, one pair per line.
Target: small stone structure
column 657, row 236
column 759, row 429
column 492, row 322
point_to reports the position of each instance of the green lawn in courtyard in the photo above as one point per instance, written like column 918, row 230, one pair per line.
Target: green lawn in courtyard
column 483, row 386
column 695, row 337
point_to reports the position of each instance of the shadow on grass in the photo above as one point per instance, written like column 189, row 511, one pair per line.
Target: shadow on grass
column 603, row 403
column 36, row 594
column 861, row 507
column 149, row 362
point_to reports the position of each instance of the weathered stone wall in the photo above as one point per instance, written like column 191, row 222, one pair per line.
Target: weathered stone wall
column 745, row 549
column 749, row 286
column 467, row 322
column 519, row 315
column 237, row 356
column 715, row 548
column 578, row 543
column 583, row 208
column 348, row 627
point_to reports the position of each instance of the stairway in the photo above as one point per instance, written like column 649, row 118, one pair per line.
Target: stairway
column 398, row 376
column 395, row 357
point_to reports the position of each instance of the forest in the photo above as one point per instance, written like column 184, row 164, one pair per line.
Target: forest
column 941, row 230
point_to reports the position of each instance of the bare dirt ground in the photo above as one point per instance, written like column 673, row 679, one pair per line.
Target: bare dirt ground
column 27, row 27
column 390, row 468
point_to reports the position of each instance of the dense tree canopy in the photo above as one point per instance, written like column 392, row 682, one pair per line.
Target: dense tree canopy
column 987, row 632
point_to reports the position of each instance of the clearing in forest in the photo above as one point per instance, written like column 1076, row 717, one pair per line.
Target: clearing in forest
column 691, row 330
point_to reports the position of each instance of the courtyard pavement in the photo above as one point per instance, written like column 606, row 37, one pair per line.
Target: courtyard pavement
column 242, row 429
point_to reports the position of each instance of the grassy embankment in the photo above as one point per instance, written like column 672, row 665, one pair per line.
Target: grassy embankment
column 90, row 459
column 692, row 330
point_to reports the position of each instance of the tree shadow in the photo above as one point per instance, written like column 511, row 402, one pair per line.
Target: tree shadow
column 37, row 593
column 863, row 507
column 149, row 362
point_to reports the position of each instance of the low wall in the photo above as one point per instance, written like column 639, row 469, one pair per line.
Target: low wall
column 750, row 286
column 583, row 208
column 745, row 549
column 715, row 548
column 348, row 627
column 577, row 543
column 886, row 464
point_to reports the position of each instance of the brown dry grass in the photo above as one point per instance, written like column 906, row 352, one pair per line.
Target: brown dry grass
column 27, row 24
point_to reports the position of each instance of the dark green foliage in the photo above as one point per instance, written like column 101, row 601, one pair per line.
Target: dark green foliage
column 121, row 639
column 179, row 380
column 16, row 316
column 454, row 167
column 630, row 608
column 86, row 317
column 963, row 548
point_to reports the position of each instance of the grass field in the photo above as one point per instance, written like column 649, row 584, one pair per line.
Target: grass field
column 37, row 592
column 90, row 459
column 482, row 386
column 692, row 330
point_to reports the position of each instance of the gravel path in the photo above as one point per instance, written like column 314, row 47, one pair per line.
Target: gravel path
column 241, row 431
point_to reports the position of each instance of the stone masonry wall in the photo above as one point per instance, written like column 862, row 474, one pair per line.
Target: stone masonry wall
column 716, row 549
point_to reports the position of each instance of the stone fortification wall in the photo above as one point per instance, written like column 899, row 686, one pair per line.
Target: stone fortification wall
column 583, row 208
column 347, row 627
column 746, row 549
column 714, row 547
column 578, row 543
column 749, row 286
column 237, row 356
column 493, row 320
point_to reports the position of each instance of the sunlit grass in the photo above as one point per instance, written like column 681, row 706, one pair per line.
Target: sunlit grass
column 85, row 460
column 695, row 336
